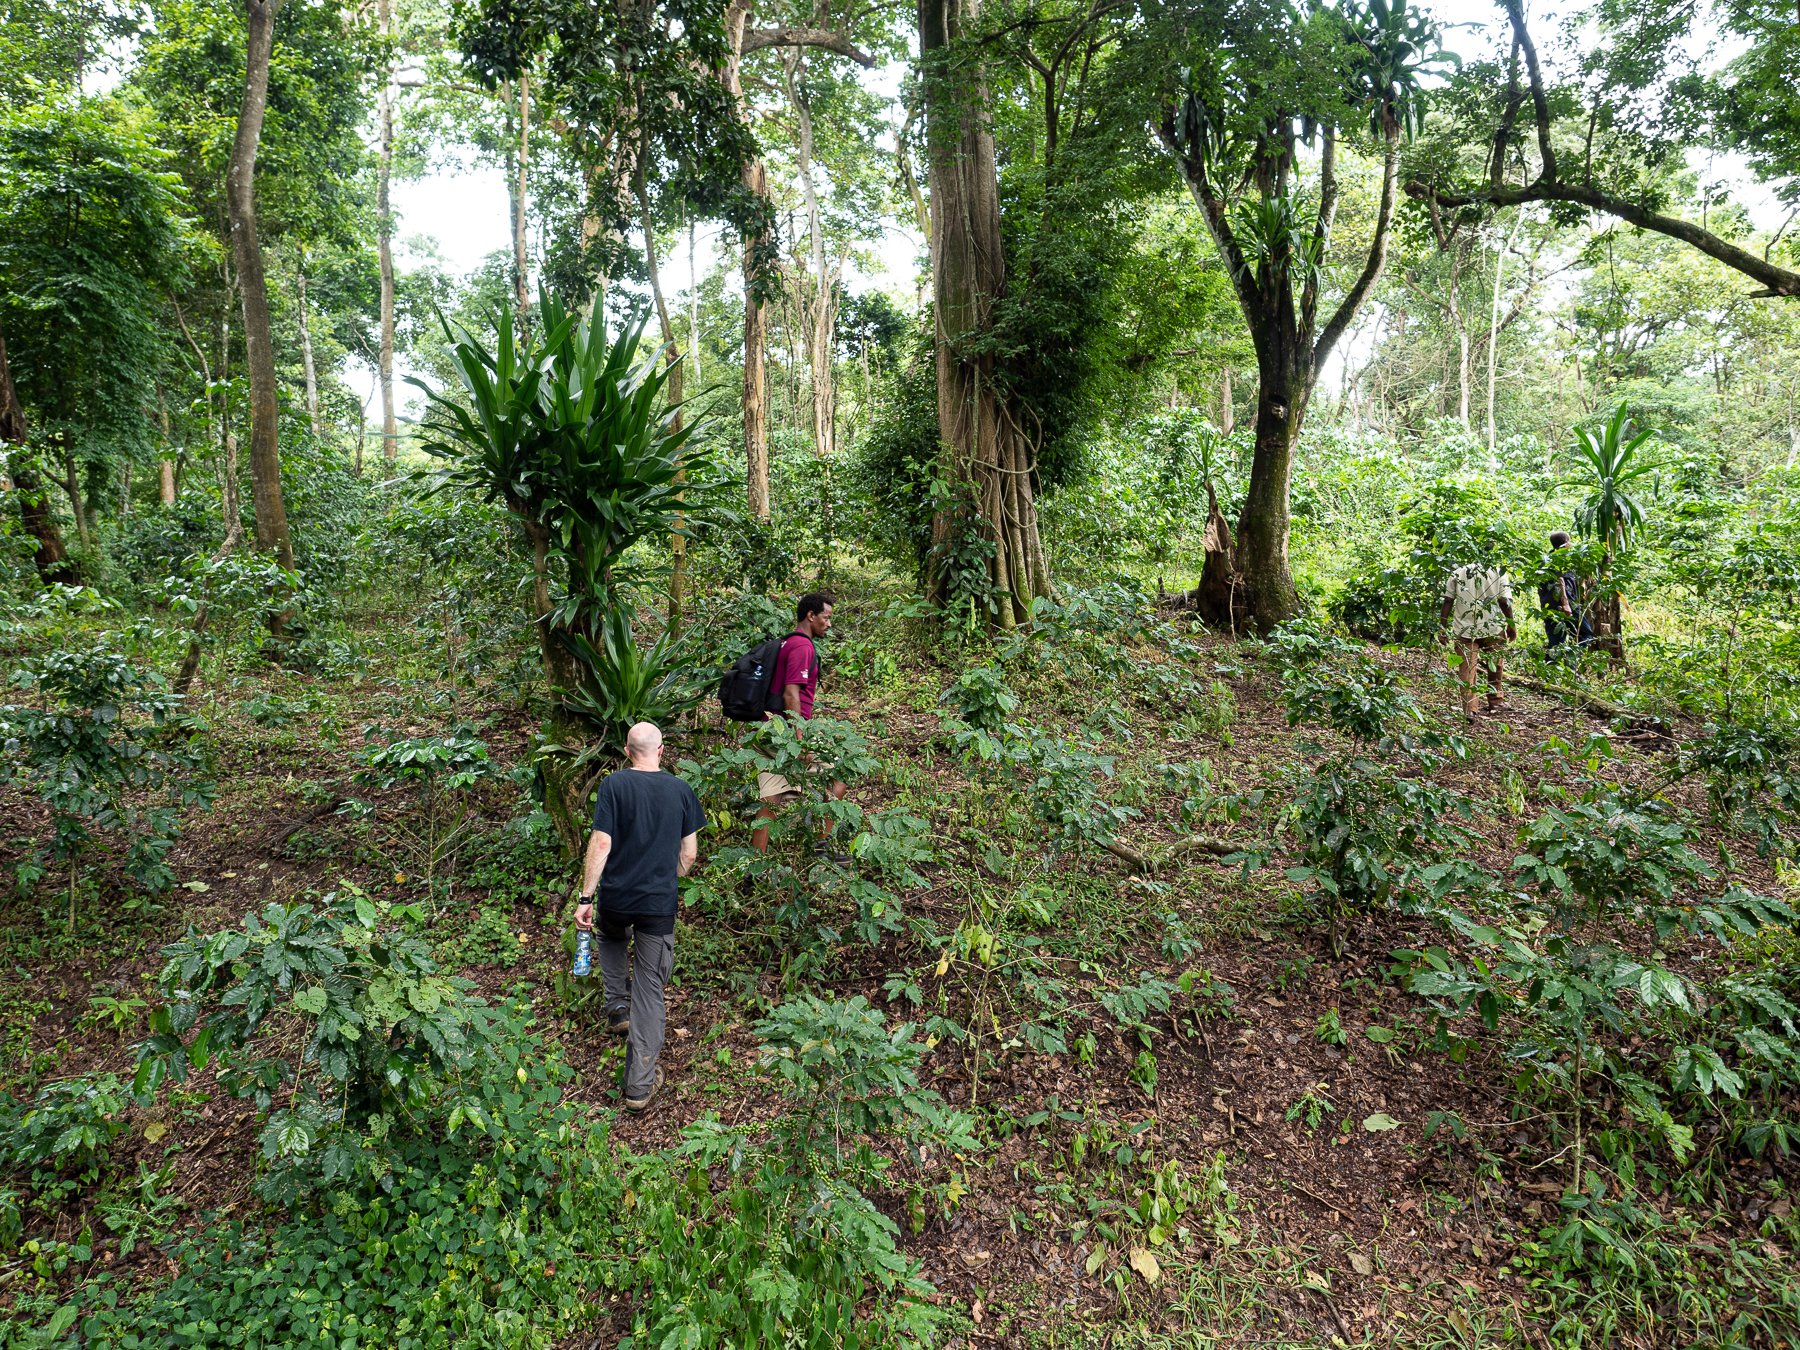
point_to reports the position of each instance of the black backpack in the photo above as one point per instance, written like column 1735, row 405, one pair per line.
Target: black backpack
column 746, row 693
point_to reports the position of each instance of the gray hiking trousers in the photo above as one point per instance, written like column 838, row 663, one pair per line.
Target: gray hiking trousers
column 635, row 966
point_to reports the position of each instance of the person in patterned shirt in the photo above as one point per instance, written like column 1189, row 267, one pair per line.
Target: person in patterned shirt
column 1477, row 608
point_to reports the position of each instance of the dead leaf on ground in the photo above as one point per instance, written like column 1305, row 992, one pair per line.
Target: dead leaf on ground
column 1145, row 1264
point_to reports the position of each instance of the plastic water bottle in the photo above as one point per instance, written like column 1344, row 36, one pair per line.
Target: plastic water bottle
column 584, row 961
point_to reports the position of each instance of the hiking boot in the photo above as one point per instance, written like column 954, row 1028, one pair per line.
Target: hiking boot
column 618, row 1019
column 637, row 1104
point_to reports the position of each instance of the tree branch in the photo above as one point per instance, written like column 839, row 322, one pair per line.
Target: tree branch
column 1780, row 281
column 1328, row 201
column 1378, row 248
column 1212, row 210
column 1152, row 859
column 1540, row 102
column 758, row 38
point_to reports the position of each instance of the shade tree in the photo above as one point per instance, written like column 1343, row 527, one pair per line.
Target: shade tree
column 93, row 226
column 1261, row 103
column 1603, row 135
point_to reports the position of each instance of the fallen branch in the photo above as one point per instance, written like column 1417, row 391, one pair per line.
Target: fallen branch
column 1152, row 860
column 1587, row 702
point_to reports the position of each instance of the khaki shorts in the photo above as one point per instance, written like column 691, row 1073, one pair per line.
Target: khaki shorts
column 773, row 785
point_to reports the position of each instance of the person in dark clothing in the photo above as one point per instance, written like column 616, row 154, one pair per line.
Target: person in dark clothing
column 1565, row 617
column 646, row 824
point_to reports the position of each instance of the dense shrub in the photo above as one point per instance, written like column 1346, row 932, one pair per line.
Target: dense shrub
column 333, row 1019
column 491, row 1227
column 895, row 466
column 105, row 746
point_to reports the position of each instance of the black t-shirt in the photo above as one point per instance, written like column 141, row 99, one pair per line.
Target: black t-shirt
column 647, row 814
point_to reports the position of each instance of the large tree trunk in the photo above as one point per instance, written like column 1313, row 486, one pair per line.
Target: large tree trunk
column 306, row 360
column 259, row 351
column 757, row 249
column 384, row 246
column 1262, row 543
column 52, row 557
column 987, row 457
column 1291, row 348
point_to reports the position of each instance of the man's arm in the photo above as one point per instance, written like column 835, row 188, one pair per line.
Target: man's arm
column 599, row 847
column 790, row 699
column 690, row 850
column 1506, row 609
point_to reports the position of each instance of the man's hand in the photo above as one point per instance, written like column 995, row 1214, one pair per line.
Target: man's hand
column 584, row 914
column 1512, row 633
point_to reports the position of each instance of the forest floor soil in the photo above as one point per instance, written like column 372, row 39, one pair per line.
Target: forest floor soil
column 1377, row 1187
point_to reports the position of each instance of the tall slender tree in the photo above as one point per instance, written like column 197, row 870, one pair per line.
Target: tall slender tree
column 246, row 249
column 384, row 227
column 1262, row 82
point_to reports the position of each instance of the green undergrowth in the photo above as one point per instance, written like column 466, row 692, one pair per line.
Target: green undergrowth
column 442, row 1191
column 1001, row 899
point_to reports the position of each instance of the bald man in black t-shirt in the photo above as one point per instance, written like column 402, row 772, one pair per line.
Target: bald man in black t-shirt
column 646, row 824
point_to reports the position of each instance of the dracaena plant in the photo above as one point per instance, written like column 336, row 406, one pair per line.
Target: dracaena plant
column 1616, row 475
column 571, row 430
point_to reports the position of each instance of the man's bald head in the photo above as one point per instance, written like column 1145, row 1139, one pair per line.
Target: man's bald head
column 642, row 742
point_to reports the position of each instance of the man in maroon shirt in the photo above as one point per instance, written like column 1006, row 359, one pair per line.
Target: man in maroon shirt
column 797, row 677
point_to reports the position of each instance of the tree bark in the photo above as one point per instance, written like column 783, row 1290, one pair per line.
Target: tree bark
column 986, row 454
column 1262, row 546
column 821, row 303
column 265, row 457
column 757, row 247
column 384, row 245
column 165, row 465
column 306, row 359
